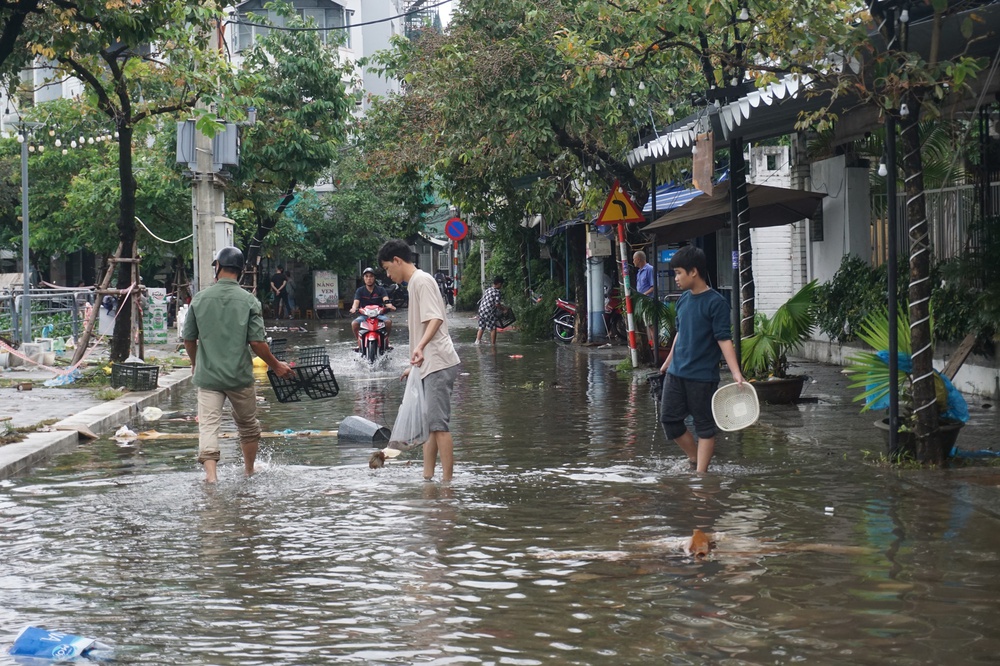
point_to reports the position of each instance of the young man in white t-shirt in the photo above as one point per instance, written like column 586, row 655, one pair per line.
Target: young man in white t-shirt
column 431, row 350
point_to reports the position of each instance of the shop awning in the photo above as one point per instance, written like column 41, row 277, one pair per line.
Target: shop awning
column 768, row 207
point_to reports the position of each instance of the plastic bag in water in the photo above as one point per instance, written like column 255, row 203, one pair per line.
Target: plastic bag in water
column 58, row 646
column 411, row 428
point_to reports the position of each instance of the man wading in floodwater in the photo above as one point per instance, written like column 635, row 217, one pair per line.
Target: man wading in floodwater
column 221, row 322
column 431, row 351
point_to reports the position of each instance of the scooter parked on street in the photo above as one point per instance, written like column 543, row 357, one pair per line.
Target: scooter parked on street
column 564, row 317
column 374, row 340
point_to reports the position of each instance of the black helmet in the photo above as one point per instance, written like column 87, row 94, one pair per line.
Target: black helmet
column 229, row 257
column 368, row 270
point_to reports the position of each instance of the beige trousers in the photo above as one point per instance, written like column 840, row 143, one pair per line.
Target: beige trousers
column 244, row 408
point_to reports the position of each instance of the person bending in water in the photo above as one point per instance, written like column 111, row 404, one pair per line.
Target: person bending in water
column 692, row 366
column 222, row 325
column 432, row 352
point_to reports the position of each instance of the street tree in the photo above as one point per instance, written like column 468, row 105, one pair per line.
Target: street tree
column 299, row 87
column 137, row 61
column 490, row 115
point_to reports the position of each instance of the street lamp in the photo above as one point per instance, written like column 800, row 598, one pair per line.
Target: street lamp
column 23, row 127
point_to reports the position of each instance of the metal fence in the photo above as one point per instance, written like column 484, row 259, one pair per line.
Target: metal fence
column 951, row 211
column 61, row 309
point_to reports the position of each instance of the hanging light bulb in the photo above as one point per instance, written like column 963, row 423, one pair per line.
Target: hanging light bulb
column 52, row 132
column 904, row 110
column 82, row 141
column 744, row 14
column 20, row 138
column 41, row 148
column 72, row 144
column 904, row 16
column 588, row 182
column 734, row 81
column 116, row 134
column 631, row 101
column 694, row 150
column 90, row 140
column 883, row 170
column 58, row 143
column 613, row 92
column 590, row 169
column 31, row 149
column 64, row 151
column 642, row 86
column 670, row 112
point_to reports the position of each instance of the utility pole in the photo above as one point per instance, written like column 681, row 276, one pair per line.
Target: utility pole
column 210, row 228
column 208, row 201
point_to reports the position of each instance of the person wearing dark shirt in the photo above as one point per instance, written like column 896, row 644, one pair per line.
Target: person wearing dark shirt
column 278, row 288
column 703, row 338
column 370, row 294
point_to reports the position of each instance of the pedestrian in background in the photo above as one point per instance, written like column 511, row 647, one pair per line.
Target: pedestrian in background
column 279, row 285
column 644, row 285
column 703, row 337
column 431, row 351
column 488, row 311
column 222, row 325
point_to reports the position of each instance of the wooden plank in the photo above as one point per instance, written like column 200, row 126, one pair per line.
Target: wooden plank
column 958, row 358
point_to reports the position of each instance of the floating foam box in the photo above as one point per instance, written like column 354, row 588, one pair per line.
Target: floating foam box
column 46, row 344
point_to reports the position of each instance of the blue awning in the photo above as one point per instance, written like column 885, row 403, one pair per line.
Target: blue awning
column 674, row 195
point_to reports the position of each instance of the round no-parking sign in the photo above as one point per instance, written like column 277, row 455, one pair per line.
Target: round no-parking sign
column 456, row 229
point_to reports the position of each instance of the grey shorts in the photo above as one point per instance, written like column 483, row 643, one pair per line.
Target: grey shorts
column 686, row 397
column 437, row 394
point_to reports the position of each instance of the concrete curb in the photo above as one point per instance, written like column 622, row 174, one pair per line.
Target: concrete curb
column 103, row 418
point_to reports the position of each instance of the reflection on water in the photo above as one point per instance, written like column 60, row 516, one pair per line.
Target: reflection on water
column 559, row 541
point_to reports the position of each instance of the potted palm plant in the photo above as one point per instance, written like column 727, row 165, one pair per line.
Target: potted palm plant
column 869, row 371
column 765, row 353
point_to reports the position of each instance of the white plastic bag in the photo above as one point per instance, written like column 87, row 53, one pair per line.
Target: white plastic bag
column 411, row 428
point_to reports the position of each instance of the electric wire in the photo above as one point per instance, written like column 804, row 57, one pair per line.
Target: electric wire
column 179, row 240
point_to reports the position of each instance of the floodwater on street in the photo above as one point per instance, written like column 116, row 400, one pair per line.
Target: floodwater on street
column 560, row 540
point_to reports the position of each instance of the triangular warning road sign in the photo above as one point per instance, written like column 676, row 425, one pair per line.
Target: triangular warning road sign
column 619, row 208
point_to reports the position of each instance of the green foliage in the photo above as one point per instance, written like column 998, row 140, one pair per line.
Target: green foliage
column 298, row 87
column 534, row 315
column 470, row 290
column 765, row 353
column 646, row 308
column 856, row 290
column 868, row 372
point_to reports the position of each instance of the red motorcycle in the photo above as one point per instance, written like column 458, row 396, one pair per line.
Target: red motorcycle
column 374, row 340
column 564, row 317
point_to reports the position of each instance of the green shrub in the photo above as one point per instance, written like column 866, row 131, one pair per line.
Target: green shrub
column 470, row 289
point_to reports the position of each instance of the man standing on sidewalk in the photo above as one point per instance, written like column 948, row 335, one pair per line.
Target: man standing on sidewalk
column 222, row 325
column 644, row 285
column 431, row 351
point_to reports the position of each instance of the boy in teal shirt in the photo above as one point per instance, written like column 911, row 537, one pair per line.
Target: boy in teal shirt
column 703, row 338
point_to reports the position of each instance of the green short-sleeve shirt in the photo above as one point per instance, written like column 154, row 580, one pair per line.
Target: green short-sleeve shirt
column 224, row 319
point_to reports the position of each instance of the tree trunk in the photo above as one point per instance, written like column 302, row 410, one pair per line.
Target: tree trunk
column 924, row 397
column 122, row 337
column 264, row 227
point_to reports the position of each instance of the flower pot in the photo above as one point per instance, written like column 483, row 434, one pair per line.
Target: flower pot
column 906, row 444
column 779, row 391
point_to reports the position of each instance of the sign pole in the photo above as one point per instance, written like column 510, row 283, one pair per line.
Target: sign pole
column 619, row 209
column 623, row 253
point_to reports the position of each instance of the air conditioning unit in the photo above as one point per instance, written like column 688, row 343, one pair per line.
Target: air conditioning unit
column 444, row 259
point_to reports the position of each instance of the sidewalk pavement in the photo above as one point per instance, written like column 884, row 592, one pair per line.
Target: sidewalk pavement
column 71, row 409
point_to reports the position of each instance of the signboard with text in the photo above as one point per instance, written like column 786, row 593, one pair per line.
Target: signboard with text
column 326, row 290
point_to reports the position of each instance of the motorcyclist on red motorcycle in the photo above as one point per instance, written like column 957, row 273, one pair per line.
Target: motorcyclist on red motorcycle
column 370, row 294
